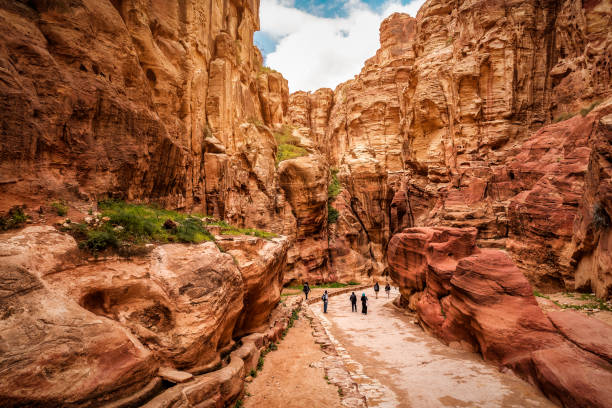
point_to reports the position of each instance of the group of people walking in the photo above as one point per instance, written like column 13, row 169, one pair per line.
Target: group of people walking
column 353, row 297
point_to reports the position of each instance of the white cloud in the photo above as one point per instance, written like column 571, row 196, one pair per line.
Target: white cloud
column 315, row 52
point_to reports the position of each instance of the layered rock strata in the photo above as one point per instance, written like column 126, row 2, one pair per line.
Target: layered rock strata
column 478, row 299
column 441, row 128
column 141, row 101
column 77, row 333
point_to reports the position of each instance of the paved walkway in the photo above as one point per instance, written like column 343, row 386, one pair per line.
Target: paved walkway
column 398, row 365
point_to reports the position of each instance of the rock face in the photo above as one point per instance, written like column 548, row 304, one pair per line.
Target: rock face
column 592, row 234
column 144, row 101
column 478, row 299
column 304, row 181
column 65, row 322
column 440, row 128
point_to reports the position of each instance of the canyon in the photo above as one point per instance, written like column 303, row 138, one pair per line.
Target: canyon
column 469, row 163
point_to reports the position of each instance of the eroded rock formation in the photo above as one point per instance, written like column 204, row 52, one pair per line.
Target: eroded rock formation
column 145, row 101
column 441, row 128
column 477, row 298
column 83, row 333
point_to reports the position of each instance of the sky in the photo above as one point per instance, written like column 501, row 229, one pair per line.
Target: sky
column 319, row 44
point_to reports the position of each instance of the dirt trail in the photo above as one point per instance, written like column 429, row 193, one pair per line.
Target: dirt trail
column 398, row 365
column 292, row 376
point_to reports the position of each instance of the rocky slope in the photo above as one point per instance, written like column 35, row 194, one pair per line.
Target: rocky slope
column 82, row 333
column 441, row 128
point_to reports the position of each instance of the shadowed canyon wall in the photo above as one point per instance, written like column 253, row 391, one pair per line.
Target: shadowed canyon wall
column 141, row 100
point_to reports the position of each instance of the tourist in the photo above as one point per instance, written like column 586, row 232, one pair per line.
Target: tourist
column 364, row 303
column 388, row 290
column 325, row 298
column 306, row 289
column 376, row 289
column 353, row 302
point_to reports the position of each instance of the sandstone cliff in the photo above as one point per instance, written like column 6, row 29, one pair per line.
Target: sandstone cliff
column 142, row 101
column 441, row 128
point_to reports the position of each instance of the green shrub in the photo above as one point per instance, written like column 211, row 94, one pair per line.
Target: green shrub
column 288, row 146
column 132, row 225
column 267, row 70
column 332, row 215
column 99, row 240
column 14, row 219
column 538, row 294
column 564, row 116
column 192, row 230
column 230, row 230
column 253, row 373
column 60, row 208
column 334, row 187
column 585, row 111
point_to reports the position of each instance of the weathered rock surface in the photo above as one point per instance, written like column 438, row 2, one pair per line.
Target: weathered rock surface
column 52, row 351
column 148, row 101
column 261, row 264
column 477, row 298
column 304, row 181
column 84, row 333
column 588, row 333
column 592, row 233
column 441, row 128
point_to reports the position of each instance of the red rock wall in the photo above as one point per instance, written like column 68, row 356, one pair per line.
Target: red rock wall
column 478, row 299
column 142, row 101
column 441, row 128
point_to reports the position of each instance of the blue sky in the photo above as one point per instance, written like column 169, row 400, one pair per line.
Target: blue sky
column 316, row 43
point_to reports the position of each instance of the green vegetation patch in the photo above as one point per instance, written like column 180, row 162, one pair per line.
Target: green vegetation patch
column 60, row 208
column 334, row 187
column 332, row 214
column 142, row 223
column 597, row 305
column 333, row 190
column 15, row 218
column 585, row 111
column 288, row 145
column 564, row 116
column 122, row 224
column 247, row 231
column 593, row 302
column 266, row 70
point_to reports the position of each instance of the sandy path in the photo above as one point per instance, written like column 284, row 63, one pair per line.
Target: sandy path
column 288, row 380
column 400, row 365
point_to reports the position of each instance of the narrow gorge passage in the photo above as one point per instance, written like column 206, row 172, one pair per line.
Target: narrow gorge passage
column 399, row 365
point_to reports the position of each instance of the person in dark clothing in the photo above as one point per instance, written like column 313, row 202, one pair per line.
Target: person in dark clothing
column 388, row 289
column 353, row 302
column 306, row 289
column 364, row 303
column 325, row 298
column 376, row 289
